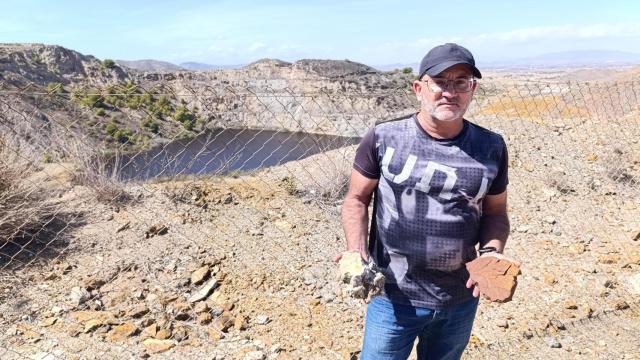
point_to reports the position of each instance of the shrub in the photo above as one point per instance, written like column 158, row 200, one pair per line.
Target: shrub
column 186, row 117
column 290, row 185
column 55, row 88
column 108, row 64
column 111, row 128
column 92, row 100
column 100, row 112
column 149, row 123
column 99, row 172
column 122, row 136
column 407, row 70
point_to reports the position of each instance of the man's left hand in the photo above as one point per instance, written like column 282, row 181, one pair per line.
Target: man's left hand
column 474, row 283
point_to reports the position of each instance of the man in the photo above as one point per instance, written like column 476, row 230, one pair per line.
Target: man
column 440, row 185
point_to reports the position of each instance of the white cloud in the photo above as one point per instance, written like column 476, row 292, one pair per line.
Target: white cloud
column 257, row 46
column 563, row 32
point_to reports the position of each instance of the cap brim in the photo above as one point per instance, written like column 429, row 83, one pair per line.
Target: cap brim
column 436, row 70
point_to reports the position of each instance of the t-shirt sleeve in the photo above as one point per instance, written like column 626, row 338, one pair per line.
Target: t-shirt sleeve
column 501, row 181
column 366, row 161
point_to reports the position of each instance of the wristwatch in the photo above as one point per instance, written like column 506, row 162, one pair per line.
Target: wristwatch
column 488, row 249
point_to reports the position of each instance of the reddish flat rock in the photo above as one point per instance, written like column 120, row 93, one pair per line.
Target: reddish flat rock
column 496, row 278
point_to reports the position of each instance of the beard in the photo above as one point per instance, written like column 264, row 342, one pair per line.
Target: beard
column 445, row 114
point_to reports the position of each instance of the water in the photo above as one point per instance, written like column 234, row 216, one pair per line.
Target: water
column 226, row 151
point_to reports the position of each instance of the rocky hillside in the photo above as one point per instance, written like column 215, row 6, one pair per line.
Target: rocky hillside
column 111, row 106
column 149, row 65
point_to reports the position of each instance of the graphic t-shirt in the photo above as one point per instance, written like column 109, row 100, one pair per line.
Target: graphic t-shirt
column 427, row 206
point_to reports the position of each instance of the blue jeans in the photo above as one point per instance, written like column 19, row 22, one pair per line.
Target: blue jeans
column 391, row 329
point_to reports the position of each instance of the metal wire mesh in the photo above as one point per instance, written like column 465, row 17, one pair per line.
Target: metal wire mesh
column 113, row 196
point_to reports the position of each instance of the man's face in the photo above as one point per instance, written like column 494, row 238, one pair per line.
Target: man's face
column 447, row 104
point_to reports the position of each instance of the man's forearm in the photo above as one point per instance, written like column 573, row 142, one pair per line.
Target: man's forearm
column 494, row 231
column 355, row 221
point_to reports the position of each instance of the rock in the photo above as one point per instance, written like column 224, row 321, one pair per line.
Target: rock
column 57, row 310
column 149, row 332
column 215, row 334
column 180, row 334
column 92, row 325
column 585, row 311
column 552, row 342
column 204, row 291
column 163, row 334
column 48, row 321
column 201, row 307
column 634, row 284
column 608, row 258
column 262, row 320
column 254, row 355
column 284, row 225
column 556, row 324
column 550, row 220
column 79, row 296
column 198, row 276
column 496, row 278
column 106, row 317
column 636, row 237
column 549, row 279
column 137, row 311
column 364, row 280
column 570, row 304
column 121, row 332
column 27, row 332
column 93, row 283
column 182, row 311
column 204, row 318
column 51, row 276
column 275, row 348
column 577, row 248
column 224, row 322
column 503, row 324
column 156, row 229
column 350, row 265
column 124, row 227
column 155, row 346
column 240, row 323
column 620, row 305
column 228, row 306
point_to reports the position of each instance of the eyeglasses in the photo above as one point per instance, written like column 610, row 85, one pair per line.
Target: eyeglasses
column 461, row 85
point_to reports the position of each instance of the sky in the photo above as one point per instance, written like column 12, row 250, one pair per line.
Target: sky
column 373, row 32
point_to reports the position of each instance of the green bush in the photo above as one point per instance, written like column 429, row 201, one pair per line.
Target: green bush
column 122, row 136
column 108, row 64
column 47, row 158
column 111, row 128
column 36, row 59
column 149, row 123
column 92, row 100
column 100, row 112
column 186, row 117
column 407, row 70
column 55, row 88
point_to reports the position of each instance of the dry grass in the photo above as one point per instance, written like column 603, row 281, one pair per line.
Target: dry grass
column 95, row 171
column 23, row 206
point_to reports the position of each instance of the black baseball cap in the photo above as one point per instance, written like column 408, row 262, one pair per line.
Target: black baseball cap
column 442, row 57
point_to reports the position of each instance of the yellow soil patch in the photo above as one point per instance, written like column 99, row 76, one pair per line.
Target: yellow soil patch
column 537, row 109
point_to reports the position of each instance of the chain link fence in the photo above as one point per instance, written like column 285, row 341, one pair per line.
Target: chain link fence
column 179, row 219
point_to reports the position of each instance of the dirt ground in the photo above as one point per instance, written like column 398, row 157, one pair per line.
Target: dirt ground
column 115, row 280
